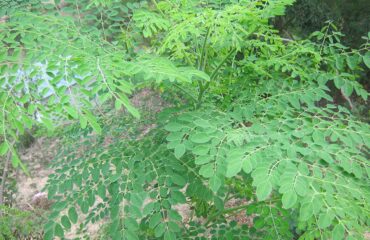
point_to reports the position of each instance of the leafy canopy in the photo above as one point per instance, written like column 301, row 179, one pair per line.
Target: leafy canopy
column 260, row 121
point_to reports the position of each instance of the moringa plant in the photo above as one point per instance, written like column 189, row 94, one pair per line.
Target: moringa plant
column 259, row 121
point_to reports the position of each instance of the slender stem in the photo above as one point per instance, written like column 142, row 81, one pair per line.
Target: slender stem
column 214, row 73
column 186, row 92
column 324, row 39
column 225, row 211
column 4, row 175
column 202, row 88
column 200, row 96
column 202, row 54
column 201, row 67
column 156, row 5
column 234, row 209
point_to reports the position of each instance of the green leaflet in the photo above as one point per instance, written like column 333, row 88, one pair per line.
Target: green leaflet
column 353, row 61
column 289, row 199
column 263, row 190
column 200, row 138
column 306, row 211
column 234, row 162
column 65, row 222
column 207, row 170
column 301, row 186
column 155, row 220
column 215, row 183
column 202, row 123
column 58, row 230
column 159, row 230
column 180, row 150
column 325, row 219
column 338, row 232
column 169, row 236
column 366, row 59
column 72, row 214
column 4, row 148
column 173, row 127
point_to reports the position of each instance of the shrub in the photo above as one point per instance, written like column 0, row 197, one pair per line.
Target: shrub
column 259, row 122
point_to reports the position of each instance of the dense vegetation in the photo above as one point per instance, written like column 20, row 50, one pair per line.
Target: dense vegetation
column 306, row 16
column 251, row 115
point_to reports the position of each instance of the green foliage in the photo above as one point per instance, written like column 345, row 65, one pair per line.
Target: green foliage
column 17, row 224
column 262, row 123
column 10, row 186
column 140, row 180
column 305, row 16
column 310, row 158
column 47, row 76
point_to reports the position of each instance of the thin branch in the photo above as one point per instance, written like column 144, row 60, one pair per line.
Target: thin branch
column 203, row 88
column 202, row 54
column 186, row 92
column 4, row 176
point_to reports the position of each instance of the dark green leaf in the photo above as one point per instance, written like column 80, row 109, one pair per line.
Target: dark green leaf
column 65, row 222
column 72, row 214
column 58, row 230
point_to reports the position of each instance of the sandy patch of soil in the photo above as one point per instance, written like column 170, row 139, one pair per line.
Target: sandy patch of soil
column 29, row 188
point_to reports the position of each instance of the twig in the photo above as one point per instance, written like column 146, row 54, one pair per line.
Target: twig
column 4, row 175
column 346, row 98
